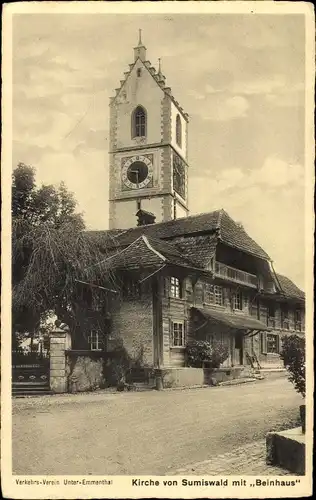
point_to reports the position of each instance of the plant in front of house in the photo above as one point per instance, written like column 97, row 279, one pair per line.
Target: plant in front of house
column 199, row 352
column 293, row 356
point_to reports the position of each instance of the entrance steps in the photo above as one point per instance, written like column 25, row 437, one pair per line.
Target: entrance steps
column 20, row 389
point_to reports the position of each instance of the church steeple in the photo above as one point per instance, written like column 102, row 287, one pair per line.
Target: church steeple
column 148, row 169
column 140, row 50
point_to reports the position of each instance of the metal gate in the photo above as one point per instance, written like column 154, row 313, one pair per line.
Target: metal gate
column 30, row 373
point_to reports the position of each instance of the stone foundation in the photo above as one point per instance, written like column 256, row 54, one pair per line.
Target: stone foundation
column 182, row 377
column 188, row 376
column 287, row 449
column 222, row 374
column 84, row 371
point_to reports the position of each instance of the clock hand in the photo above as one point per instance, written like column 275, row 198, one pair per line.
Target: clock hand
column 136, row 174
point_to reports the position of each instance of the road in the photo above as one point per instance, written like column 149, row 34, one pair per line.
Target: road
column 145, row 432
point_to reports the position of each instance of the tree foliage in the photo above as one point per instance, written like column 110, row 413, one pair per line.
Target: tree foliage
column 293, row 356
column 200, row 351
column 51, row 256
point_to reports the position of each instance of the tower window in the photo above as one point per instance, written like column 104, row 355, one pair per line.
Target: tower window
column 139, row 72
column 139, row 122
column 179, row 131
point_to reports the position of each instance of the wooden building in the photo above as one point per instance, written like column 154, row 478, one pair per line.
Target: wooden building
column 198, row 277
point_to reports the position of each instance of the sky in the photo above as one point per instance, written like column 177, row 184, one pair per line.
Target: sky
column 239, row 77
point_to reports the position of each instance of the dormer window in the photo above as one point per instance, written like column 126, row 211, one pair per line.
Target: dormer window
column 139, row 120
column 139, row 72
column 179, row 131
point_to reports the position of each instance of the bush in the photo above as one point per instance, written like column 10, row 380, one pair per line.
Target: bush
column 293, row 356
column 200, row 351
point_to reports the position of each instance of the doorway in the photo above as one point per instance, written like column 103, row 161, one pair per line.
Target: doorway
column 239, row 348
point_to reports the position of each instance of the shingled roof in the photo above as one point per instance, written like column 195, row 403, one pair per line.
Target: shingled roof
column 218, row 222
column 289, row 288
column 146, row 252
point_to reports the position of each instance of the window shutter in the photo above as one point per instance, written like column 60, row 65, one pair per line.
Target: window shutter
column 171, row 332
column 264, row 342
column 185, row 331
column 278, row 343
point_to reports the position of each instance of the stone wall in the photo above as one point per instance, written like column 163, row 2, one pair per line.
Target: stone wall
column 84, row 371
column 133, row 326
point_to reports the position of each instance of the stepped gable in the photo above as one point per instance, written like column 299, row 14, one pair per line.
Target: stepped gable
column 159, row 78
column 289, row 288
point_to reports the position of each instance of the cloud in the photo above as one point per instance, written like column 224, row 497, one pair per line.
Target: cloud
column 288, row 98
column 268, row 201
column 276, row 172
column 259, row 85
column 227, row 109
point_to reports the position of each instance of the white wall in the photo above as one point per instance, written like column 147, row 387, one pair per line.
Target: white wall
column 143, row 91
column 180, row 211
column 125, row 211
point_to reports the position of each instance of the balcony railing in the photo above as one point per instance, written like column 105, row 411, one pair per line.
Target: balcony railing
column 232, row 274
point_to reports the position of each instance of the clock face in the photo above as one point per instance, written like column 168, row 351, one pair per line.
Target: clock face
column 137, row 171
column 179, row 176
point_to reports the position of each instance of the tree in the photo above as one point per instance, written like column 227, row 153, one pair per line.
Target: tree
column 51, row 258
column 293, row 356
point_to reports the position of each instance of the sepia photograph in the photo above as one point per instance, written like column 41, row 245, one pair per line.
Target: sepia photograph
column 157, row 251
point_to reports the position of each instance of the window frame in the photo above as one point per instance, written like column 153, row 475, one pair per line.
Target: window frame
column 179, row 131
column 298, row 320
column 238, row 299
column 139, row 122
column 178, row 323
column 175, row 287
column 211, row 294
column 271, row 315
column 277, row 343
column 94, row 339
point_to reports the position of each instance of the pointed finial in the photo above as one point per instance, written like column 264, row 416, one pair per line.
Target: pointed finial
column 159, row 65
column 140, row 50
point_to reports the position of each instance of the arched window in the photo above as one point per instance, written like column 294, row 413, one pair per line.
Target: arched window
column 139, row 122
column 179, row 131
column 139, row 72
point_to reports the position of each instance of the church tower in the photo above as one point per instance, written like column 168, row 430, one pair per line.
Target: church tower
column 148, row 169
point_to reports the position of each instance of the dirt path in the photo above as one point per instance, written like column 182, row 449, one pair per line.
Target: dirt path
column 146, row 432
